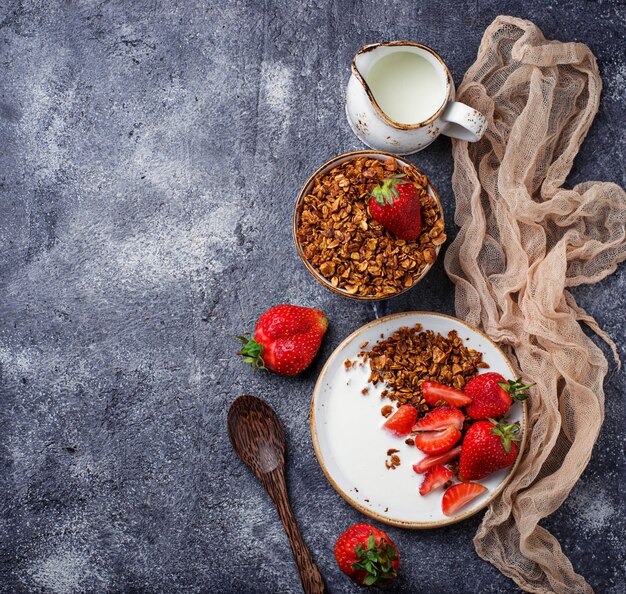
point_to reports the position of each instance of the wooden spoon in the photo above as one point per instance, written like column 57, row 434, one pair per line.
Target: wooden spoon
column 258, row 439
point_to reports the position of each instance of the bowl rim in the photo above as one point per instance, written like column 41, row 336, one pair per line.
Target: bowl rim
column 327, row 166
column 369, row 512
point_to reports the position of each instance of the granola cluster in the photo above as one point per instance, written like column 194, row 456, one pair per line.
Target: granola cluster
column 393, row 460
column 409, row 357
column 352, row 250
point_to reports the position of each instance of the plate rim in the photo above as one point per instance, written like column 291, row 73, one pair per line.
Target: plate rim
column 369, row 512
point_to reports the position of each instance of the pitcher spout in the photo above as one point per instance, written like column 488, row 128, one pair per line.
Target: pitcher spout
column 364, row 59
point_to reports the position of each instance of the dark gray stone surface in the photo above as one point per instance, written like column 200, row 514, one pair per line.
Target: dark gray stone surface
column 150, row 153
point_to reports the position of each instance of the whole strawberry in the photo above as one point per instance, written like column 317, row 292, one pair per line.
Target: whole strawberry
column 286, row 339
column 396, row 205
column 488, row 446
column 492, row 395
column 367, row 555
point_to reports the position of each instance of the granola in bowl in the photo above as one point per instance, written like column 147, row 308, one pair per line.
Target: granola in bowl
column 344, row 247
column 411, row 356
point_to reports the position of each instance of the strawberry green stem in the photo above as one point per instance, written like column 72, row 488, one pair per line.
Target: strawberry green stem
column 385, row 192
column 516, row 389
column 377, row 561
column 252, row 352
column 507, row 433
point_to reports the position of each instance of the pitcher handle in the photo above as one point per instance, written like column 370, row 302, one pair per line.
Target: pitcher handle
column 463, row 122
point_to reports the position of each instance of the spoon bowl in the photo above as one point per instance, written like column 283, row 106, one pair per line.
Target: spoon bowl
column 256, row 435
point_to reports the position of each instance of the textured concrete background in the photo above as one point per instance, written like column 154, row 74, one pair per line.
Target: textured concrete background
column 150, row 154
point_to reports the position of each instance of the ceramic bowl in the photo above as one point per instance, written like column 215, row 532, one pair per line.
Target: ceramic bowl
column 308, row 186
column 351, row 445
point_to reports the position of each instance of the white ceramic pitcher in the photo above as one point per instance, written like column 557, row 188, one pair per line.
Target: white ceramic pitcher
column 378, row 131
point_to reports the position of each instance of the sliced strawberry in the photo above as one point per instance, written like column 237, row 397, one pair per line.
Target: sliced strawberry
column 401, row 421
column 437, row 442
column 459, row 495
column 435, row 394
column 440, row 418
column 435, row 477
column 425, row 463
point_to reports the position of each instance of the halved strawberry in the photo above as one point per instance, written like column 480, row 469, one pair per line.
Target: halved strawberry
column 435, row 477
column 435, row 393
column 440, row 418
column 459, row 495
column 437, row 442
column 401, row 421
column 425, row 463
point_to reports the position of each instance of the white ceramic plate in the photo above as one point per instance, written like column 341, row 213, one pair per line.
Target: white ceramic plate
column 351, row 445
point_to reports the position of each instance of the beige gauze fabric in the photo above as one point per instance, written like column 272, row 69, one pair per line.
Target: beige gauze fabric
column 523, row 240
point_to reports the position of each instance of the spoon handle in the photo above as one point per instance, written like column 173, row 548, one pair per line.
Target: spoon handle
column 310, row 576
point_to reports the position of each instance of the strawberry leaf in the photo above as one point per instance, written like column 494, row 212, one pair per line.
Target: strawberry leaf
column 516, row 388
column 369, row 580
column 385, row 192
column 376, row 560
column 252, row 352
column 507, row 433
